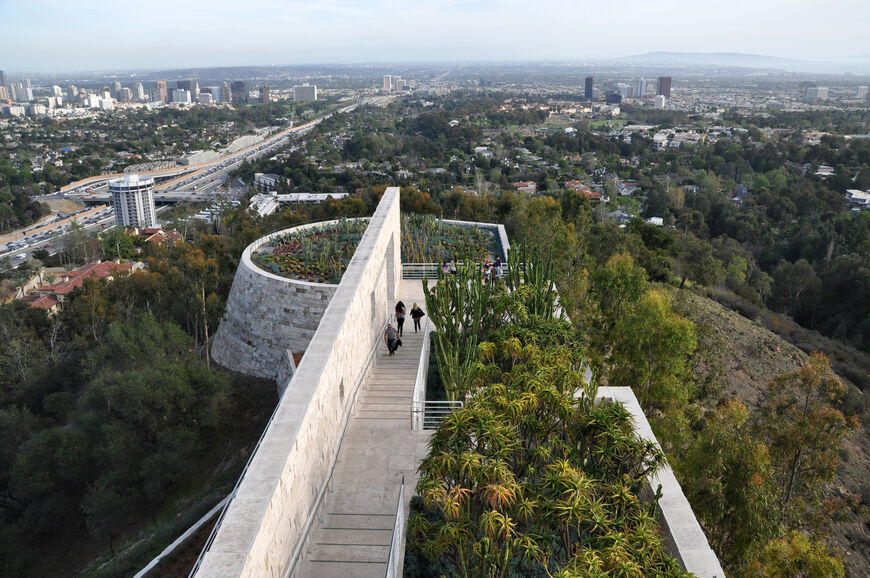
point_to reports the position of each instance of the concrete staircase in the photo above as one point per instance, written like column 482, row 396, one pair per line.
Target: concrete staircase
column 355, row 524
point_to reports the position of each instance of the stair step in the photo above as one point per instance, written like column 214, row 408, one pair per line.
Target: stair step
column 348, row 553
column 339, row 521
column 353, row 536
column 311, row 569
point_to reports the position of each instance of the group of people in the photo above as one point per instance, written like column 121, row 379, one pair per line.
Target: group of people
column 491, row 271
column 393, row 336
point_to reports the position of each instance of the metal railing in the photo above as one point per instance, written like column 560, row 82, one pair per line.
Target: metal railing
column 422, row 373
column 431, row 413
column 393, row 570
column 416, row 271
column 420, row 270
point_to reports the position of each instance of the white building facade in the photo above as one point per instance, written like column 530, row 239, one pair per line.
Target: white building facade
column 305, row 93
column 133, row 199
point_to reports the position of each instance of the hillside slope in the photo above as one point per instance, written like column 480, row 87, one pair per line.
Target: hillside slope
column 748, row 356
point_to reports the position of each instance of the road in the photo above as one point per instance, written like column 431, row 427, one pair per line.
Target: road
column 197, row 185
column 55, row 240
column 190, row 175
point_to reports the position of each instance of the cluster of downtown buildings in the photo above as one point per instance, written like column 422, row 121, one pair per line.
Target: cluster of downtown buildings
column 639, row 89
column 17, row 98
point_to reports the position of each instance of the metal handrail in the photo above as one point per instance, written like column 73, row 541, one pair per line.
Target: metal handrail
column 303, row 538
column 422, row 374
column 231, row 495
column 214, row 530
column 393, row 570
column 432, row 413
column 418, row 271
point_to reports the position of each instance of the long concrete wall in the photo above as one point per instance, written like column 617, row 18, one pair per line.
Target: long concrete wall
column 268, row 314
column 277, row 495
column 681, row 531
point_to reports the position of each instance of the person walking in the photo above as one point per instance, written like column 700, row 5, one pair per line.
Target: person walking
column 400, row 317
column 416, row 314
column 390, row 337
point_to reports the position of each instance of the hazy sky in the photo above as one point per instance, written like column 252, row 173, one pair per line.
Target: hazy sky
column 46, row 35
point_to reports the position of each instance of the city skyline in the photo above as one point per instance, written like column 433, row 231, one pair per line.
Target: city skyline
column 104, row 35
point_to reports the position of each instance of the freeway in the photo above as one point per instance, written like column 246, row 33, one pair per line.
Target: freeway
column 189, row 173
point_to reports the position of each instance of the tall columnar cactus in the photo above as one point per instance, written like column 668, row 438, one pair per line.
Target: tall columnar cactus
column 533, row 272
column 456, row 305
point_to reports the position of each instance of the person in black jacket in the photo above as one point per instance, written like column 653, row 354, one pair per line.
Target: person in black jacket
column 416, row 314
column 400, row 317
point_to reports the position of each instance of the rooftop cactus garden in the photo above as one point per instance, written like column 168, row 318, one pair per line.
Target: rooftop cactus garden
column 532, row 477
column 426, row 239
column 318, row 254
column 321, row 254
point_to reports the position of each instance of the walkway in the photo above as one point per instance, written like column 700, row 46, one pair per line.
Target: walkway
column 355, row 523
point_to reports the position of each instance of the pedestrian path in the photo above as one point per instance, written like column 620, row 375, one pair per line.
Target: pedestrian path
column 354, row 526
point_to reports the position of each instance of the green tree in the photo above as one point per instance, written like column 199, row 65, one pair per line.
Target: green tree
column 651, row 350
column 695, row 261
column 805, row 432
column 116, row 244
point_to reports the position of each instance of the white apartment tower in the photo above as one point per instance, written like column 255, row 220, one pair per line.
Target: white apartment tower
column 133, row 199
column 388, row 83
column 305, row 93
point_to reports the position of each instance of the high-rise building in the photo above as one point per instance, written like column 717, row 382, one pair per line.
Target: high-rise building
column 305, row 93
column 3, row 80
column 56, row 91
column 226, row 93
column 239, row 91
column 20, row 91
column 115, row 89
column 4, row 94
column 659, row 101
column 160, row 85
column 264, row 94
column 181, row 96
column 664, row 87
column 133, row 199
column 587, row 92
column 862, row 92
column 72, row 91
column 192, row 86
column 641, row 88
column 388, row 83
column 125, row 95
column 398, row 83
column 816, row 93
column 139, row 92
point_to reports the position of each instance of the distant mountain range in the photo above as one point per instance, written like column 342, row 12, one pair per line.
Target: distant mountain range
column 859, row 65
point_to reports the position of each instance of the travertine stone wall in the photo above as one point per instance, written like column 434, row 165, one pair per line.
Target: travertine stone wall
column 681, row 532
column 277, row 494
column 266, row 315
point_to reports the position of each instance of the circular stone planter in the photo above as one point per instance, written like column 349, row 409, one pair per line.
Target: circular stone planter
column 268, row 314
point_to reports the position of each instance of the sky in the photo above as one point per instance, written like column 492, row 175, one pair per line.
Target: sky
column 97, row 35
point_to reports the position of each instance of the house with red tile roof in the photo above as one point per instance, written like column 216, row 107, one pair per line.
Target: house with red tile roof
column 583, row 189
column 74, row 279
column 525, row 187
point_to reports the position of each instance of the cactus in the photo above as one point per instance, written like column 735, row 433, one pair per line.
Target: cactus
column 534, row 272
column 456, row 305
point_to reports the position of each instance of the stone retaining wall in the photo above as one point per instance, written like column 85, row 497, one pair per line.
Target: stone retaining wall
column 265, row 521
column 681, row 532
column 268, row 314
